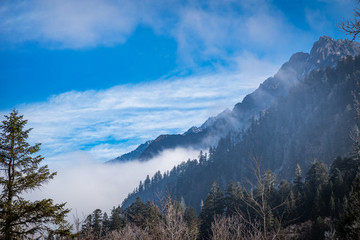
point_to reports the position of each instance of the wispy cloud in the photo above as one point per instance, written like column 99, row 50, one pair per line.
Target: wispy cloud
column 67, row 23
column 110, row 122
column 204, row 30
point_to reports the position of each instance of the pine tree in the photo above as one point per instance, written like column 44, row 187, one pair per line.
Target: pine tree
column 315, row 182
column 105, row 223
column 213, row 205
column 97, row 218
column 117, row 219
column 298, row 183
column 192, row 222
column 350, row 222
column 21, row 172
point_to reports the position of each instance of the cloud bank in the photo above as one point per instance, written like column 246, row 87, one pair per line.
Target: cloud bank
column 87, row 185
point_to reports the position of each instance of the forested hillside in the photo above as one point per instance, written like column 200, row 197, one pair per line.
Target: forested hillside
column 312, row 123
column 326, row 52
column 321, row 204
column 180, row 120
column 294, row 174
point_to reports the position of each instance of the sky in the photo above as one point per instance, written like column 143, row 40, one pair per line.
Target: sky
column 104, row 76
column 96, row 78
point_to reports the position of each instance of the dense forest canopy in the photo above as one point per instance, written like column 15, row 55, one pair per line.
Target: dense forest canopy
column 312, row 122
column 293, row 174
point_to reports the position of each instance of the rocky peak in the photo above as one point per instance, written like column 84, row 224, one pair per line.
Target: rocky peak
column 212, row 120
column 327, row 52
column 192, row 130
column 298, row 57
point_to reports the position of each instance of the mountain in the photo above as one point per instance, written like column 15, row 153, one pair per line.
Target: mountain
column 133, row 154
column 310, row 122
column 326, row 52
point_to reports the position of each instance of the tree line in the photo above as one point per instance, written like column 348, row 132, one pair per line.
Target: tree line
column 323, row 204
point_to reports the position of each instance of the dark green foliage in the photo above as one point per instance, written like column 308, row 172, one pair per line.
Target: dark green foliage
column 106, row 223
column 312, row 121
column 298, row 181
column 97, row 222
column 21, row 172
column 192, row 221
column 233, row 198
column 349, row 226
column 213, row 205
column 93, row 225
column 315, row 189
column 268, row 210
column 138, row 213
column 117, row 218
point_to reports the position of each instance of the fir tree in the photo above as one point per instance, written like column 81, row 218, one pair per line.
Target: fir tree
column 105, row 223
column 21, row 172
column 350, row 223
column 298, row 182
column 233, row 199
column 117, row 219
column 97, row 220
column 213, row 205
column 192, row 222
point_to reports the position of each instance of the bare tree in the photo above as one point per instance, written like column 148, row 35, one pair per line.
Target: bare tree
column 234, row 228
column 352, row 27
column 258, row 213
column 221, row 228
column 173, row 225
column 129, row 232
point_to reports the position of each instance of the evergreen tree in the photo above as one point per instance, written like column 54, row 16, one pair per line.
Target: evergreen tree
column 97, row 220
column 147, row 183
column 213, row 205
column 233, row 198
column 21, row 172
column 137, row 213
column 350, row 222
column 269, row 180
column 192, row 222
column 117, row 220
column 315, row 184
column 298, row 183
column 87, row 227
column 105, row 223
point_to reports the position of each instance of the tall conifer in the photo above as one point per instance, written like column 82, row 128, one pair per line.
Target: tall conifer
column 20, row 172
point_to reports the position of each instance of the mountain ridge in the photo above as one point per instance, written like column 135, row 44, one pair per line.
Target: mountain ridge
column 326, row 52
column 310, row 124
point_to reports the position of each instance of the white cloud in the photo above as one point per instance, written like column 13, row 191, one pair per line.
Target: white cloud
column 108, row 123
column 87, row 185
column 68, row 23
column 203, row 30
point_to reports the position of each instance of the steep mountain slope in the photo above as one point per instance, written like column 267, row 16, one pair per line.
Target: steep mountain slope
column 131, row 155
column 326, row 52
column 312, row 121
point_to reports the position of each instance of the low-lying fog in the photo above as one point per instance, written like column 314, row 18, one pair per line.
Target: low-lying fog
column 87, row 185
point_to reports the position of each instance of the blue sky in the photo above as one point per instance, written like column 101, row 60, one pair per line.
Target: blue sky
column 103, row 76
